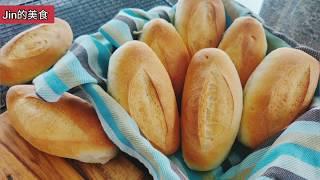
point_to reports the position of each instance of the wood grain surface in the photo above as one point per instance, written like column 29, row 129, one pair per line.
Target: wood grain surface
column 19, row 160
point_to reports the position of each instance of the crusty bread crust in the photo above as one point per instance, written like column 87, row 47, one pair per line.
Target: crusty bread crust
column 211, row 109
column 280, row 88
column 140, row 83
column 67, row 128
column 33, row 51
column 201, row 23
column 166, row 42
column 246, row 44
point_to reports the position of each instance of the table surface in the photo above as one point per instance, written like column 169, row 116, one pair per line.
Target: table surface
column 19, row 160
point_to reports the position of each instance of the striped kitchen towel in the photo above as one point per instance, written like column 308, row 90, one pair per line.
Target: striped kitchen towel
column 293, row 154
column 86, row 64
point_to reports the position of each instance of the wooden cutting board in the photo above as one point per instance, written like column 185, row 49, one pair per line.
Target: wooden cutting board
column 19, row 160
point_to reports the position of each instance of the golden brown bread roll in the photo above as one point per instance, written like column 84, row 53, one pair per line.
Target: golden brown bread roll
column 201, row 23
column 211, row 109
column 34, row 51
column 67, row 128
column 280, row 88
column 141, row 84
column 246, row 44
column 165, row 41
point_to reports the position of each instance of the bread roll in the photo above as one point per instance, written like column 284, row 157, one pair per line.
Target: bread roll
column 201, row 23
column 246, row 44
column 34, row 51
column 280, row 88
column 141, row 84
column 165, row 41
column 211, row 109
column 67, row 128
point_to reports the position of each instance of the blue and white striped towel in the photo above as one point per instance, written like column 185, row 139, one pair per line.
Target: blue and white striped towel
column 294, row 155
